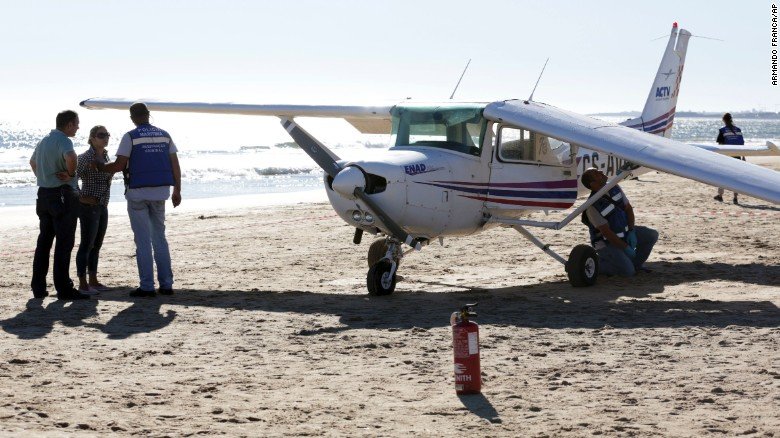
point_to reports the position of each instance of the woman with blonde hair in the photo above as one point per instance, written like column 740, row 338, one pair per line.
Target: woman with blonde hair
column 93, row 209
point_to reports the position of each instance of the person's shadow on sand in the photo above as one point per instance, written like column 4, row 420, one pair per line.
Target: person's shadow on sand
column 143, row 316
column 35, row 321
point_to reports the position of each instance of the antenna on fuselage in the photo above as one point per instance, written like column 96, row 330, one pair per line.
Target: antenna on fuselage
column 461, row 78
column 537, row 80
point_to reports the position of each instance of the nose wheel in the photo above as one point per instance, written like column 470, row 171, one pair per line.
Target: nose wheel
column 381, row 278
column 383, row 258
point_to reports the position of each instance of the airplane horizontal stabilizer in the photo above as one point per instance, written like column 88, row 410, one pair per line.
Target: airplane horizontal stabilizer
column 741, row 150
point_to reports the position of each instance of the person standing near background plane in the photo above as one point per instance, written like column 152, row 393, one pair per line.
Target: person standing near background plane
column 730, row 135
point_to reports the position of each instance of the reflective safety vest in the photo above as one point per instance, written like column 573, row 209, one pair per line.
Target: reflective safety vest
column 611, row 207
column 150, row 160
column 731, row 135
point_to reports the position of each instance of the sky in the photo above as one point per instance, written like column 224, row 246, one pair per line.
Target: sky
column 603, row 55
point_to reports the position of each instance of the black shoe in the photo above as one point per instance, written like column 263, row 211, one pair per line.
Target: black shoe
column 164, row 291
column 718, row 198
column 142, row 293
column 40, row 295
column 72, row 295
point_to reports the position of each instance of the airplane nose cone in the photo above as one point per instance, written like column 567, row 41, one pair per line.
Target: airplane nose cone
column 348, row 180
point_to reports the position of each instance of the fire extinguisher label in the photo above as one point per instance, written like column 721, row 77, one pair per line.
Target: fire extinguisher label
column 461, row 347
column 473, row 343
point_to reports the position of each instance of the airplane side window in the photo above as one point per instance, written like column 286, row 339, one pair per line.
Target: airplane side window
column 516, row 145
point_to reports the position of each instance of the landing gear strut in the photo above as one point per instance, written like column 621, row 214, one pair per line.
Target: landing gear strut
column 384, row 255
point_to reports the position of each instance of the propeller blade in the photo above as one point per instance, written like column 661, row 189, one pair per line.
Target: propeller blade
column 316, row 150
column 395, row 230
column 327, row 160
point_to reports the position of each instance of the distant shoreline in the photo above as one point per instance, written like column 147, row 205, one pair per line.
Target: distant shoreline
column 764, row 115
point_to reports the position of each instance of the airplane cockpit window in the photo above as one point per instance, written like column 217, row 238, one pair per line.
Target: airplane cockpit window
column 458, row 128
column 517, row 145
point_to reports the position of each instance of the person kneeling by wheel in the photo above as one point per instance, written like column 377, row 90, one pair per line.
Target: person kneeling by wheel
column 622, row 247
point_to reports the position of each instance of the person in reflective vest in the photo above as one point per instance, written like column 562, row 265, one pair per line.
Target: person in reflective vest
column 622, row 247
column 729, row 135
column 148, row 155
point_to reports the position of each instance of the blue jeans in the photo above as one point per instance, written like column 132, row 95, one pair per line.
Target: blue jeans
column 94, row 221
column 147, row 219
column 57, row 210
column 613, row 261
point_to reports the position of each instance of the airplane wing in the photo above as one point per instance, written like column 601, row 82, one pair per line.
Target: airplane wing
column 366, row 119
column 640, row 148
column 742, row 151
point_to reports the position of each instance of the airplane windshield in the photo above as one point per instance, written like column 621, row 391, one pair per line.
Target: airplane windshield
column 458, row 128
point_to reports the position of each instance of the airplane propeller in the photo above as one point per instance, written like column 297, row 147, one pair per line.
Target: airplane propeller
column 349, row 181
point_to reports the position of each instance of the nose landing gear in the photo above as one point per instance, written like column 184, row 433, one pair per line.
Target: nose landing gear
column 384, row 255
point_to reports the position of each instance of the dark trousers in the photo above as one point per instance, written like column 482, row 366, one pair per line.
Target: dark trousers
column 57, row 210
column 94, row 221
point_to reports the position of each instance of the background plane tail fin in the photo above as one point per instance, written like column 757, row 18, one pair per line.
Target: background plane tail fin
column 658, row 114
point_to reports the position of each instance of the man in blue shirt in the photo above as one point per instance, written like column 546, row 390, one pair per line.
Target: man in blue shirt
column 54, row 164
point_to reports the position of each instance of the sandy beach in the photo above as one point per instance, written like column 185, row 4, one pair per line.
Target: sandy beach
column 271, row 332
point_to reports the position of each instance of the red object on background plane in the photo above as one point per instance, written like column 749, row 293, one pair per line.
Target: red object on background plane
column 465, row 346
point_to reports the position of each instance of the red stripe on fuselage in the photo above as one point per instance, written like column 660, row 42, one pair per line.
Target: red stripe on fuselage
column 519, row 202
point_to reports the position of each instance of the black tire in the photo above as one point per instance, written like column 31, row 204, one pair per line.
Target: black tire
column 583, row 266
column 376, row 251
column 378, row 281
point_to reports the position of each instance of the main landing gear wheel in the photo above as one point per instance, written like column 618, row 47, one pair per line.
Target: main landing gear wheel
column 379, row 280
column 583, row 266
column 376, row 251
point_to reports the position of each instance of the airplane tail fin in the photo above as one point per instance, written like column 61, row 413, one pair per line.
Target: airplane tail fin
column 658, row 114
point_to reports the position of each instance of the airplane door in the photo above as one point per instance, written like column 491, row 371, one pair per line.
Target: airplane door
column 529, row 172
column 428, row 204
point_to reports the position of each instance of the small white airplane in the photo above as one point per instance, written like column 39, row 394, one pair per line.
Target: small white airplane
column 460, row 168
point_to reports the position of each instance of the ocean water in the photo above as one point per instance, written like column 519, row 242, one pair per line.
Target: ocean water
column 208, row 170
column 233, row 168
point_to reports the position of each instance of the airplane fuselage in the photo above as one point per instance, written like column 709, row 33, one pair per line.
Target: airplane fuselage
column 437, row 192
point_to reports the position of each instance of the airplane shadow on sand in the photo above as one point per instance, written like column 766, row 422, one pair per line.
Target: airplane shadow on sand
column 759, row 207
column 553, row 305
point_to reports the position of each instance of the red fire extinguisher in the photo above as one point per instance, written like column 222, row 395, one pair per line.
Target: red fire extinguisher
column 465, row 346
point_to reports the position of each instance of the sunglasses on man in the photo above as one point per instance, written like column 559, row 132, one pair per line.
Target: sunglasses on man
column 103, row 135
